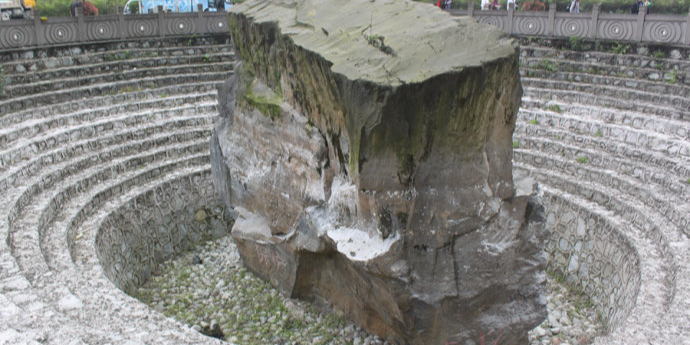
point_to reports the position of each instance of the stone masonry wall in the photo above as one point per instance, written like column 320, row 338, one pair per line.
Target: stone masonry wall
column 590, row 253
column 158, row 225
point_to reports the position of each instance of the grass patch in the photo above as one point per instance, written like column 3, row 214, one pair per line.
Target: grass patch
column 599, row 134
column 575, row 43
column 555, row 108
column 659, row 54
column 673, row 76
column 516, row 145
column 620, row 48
column 533, row 121
column 582, row 159
column 548, row 65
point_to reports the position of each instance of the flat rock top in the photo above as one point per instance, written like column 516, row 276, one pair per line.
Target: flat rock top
column 421, row 41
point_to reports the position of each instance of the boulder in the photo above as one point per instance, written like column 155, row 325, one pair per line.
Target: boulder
column 365, row 148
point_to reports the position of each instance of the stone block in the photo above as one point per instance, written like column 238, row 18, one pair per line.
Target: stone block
column 374, row 172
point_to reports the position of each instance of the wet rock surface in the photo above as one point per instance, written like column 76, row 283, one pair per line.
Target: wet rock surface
column 379, row 181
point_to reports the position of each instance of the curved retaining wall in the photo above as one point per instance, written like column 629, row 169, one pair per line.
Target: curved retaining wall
column 592, row 254
column 158, row 225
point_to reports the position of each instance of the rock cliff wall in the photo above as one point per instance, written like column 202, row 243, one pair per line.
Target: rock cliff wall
column 366, row 148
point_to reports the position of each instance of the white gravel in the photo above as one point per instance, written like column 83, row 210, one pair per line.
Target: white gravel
column 219, row 290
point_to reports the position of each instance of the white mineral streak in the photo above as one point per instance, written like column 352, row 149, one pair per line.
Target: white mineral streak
column 358, row 245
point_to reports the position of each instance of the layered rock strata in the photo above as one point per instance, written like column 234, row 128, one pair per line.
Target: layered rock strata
column 366, row 148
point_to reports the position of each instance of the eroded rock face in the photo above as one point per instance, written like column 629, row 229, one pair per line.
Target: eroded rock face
column 366, row 148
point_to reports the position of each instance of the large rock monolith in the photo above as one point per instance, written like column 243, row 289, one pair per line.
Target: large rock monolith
column 365, row 147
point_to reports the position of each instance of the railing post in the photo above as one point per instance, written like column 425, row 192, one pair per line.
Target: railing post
column 595, row 21
column 81, row 29
column 551, row 24
column 121, row 21
column 161, row 28
column 40, row 35
column 470, row 9
column 511, row 14
column 200, row 27
column 639, row 27
column 687, row 30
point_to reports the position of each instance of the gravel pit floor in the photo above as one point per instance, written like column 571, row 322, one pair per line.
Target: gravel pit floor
column 210, row 290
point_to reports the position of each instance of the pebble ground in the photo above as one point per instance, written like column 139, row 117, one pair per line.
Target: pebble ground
column 209, row 288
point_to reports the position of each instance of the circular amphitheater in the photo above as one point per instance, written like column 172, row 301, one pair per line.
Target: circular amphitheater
column 105, row 173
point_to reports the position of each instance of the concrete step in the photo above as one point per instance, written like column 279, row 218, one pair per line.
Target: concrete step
column 19, row 138
column 599, row 59
column 666, row 145
column 571, row 96
column 680, row 103
column 125, row 101
column 24, row 72
column 62, row 83
column 670, row 173
column 26, row 229
column 41, row 59
column 671, row 208
column 651, row 81
column 639, row 121
column 56, row 139
column 32, row 127
column 65, row 160
column 103, row 89
column 92, row 283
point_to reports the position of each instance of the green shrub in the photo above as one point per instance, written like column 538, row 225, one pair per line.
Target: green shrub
column 60, row 8
column 548, row 65
column 582, row 159
column 534, row 121
column 555, row 108
column 516, row 145
column 620, row 48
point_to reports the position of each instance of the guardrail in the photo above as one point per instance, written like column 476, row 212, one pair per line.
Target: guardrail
column 90, row 29
column 642, row 27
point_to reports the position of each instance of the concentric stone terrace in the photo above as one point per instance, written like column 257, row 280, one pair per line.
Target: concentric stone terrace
column 104, row 172
column 607, row 136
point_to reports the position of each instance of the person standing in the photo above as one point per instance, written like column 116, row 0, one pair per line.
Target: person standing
column 90, row 9
column 485, row 5
column 74, row 7
column 647, row 4
column 575, row 6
